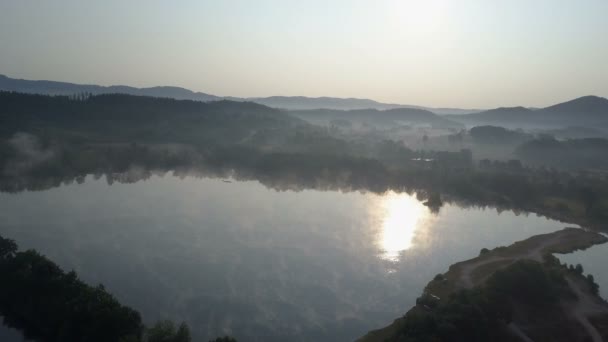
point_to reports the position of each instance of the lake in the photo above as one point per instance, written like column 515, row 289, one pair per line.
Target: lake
column 238, row 258
column 593, row 261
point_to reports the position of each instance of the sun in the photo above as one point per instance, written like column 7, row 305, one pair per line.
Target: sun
column 416, row 17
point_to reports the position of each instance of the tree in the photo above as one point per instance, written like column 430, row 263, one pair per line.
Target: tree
column 183, row 333
column 589, row 198
column 224, row 339
column 8, row 248
column 595, row 288
column 46, row 303
column 434, row 202
column 161, row 331
column 165, row 331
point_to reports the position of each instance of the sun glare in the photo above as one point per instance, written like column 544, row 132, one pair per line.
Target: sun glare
column 416, row 17
column 402, row 216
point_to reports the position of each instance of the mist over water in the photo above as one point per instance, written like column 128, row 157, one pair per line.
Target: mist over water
column 238, row 258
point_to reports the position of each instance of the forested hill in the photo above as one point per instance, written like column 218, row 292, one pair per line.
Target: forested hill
column 127, row 118
column 588, row 111
column 408, row 116
column 284, row 102
column 59, row 122
column 21, row 106
column 67, row 89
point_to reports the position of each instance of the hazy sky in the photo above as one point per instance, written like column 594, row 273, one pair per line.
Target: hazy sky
column 465, row 53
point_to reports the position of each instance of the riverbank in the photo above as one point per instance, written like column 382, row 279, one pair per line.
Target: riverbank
column 579, row 309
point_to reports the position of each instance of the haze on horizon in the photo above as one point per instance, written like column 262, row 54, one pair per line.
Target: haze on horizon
column 469, row 54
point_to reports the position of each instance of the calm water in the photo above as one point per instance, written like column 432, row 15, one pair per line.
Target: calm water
column 594, row 262
column 237, row 258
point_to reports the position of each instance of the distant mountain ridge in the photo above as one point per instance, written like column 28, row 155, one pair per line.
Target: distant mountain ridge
column 590, row 105
column 283, row 102
column 64, row 88
column 589, row 111
column 335, row 103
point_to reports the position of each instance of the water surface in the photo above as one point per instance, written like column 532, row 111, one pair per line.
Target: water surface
column 241, row 259
column 593, row 261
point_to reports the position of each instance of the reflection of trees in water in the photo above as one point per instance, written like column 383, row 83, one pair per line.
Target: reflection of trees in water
column 521, row 189
column 130, row 163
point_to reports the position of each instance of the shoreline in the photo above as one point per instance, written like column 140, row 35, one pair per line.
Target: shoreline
column 474, row 272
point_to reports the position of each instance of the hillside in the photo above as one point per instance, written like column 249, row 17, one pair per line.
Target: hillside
column 593, row 108
column 498, row 116
column 283, row 102
column 407, row 116
column 64, row 88
column 127, row 118
column 306, row 103
column 587, row 111
column 587, row 153
column 515, row 293
column 335, row 103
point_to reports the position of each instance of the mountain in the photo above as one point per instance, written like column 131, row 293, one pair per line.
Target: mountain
column 283, row 102
column 64, row 88
column 306, row 103
column 586, row 111
column 498, row 115
column 309, row 103
column 587, row 107
column 406, row 116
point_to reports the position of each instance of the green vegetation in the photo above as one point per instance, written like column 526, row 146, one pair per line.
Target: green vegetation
column 587, row 153
column 165, row 331
column 595, row 287
column 484, row 313
column 47, row 304
column 578, row 270
column 224, row 339
column 497, row 135
column 37, row 297
column 502, row 291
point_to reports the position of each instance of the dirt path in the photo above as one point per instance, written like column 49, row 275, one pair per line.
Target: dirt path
column 466, row 280
column 585, row 306
column 535, row 254
column 514, row 328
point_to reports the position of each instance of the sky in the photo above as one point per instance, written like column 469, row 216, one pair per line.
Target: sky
column 440, row 53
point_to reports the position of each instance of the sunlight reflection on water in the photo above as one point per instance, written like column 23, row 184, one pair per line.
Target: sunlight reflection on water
column 402, row 218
